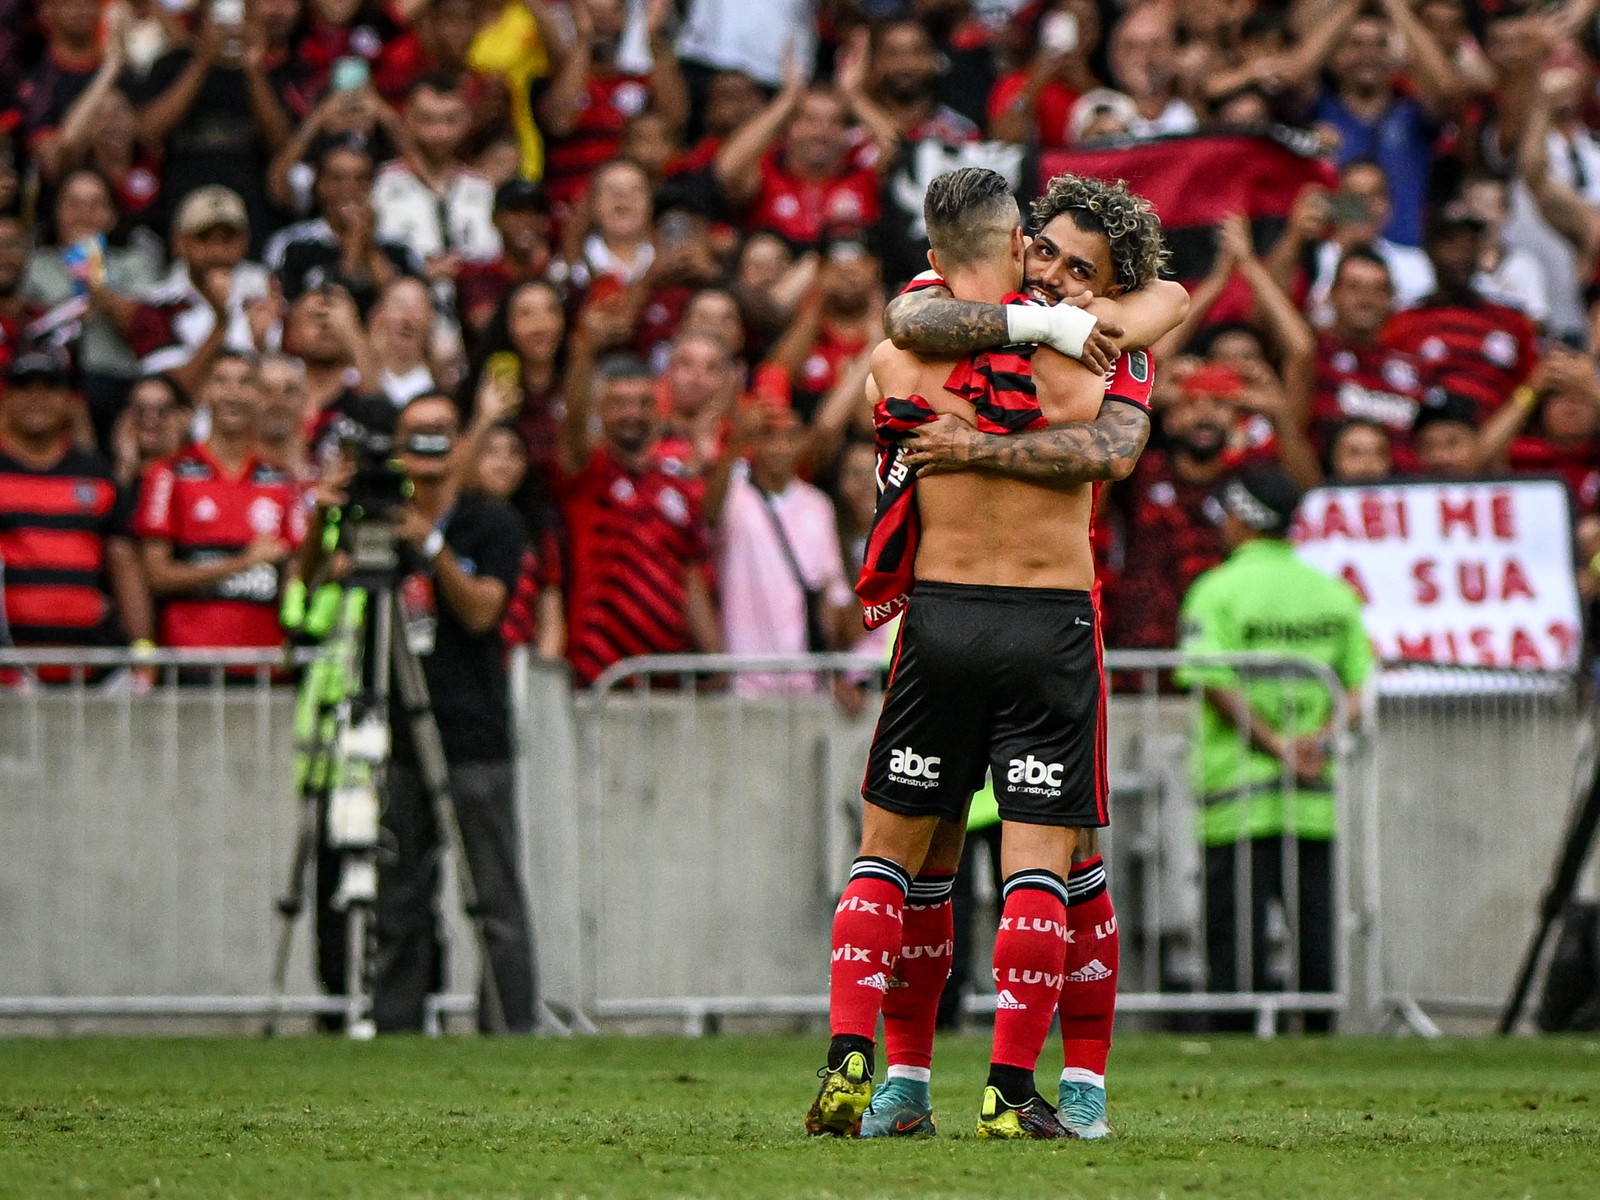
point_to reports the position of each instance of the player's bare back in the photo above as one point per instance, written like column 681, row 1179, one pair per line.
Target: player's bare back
column 979, row 528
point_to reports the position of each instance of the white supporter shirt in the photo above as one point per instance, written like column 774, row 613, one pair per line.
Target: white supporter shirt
column 193, row 320
column 409, row 212
column 736, row 35
column 1409, row 271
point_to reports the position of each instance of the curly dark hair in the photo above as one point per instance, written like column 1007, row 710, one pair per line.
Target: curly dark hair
column 1138, row 253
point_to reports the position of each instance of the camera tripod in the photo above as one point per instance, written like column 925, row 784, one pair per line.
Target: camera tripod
column 344, row 721
column 1577, row 844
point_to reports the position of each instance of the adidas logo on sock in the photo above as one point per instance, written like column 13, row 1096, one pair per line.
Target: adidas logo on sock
column 1091, row 972
column 879, row 981
column 1006, row 1000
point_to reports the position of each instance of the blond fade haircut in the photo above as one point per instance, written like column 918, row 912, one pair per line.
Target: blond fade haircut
column 970, row 214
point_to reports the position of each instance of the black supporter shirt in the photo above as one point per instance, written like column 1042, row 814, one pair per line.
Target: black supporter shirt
column 216, row 141
column 466, row 671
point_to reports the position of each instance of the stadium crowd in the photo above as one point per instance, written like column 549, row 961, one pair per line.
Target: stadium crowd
column 673, row 226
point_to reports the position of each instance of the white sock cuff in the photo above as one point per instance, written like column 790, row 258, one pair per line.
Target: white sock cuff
column 1078, row 1075
column 915, row 1074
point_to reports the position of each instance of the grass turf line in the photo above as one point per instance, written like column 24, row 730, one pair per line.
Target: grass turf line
column 614, row 1117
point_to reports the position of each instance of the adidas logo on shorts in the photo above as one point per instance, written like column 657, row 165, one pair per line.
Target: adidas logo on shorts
column 879, row 981
column 1006, row 1000
column 1092, row 971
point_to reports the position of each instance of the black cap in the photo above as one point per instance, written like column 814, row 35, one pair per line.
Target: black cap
column 521, row 195
column 32, row 366
column 1440, row 405
column 1263, row 497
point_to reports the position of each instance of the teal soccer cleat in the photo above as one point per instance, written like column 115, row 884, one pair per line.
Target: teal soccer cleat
column 899, row 1109
column 1083, row 1109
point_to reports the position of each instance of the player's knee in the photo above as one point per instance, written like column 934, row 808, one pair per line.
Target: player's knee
column 900, row 839
column 1087, row 845
column 1036, row 847
column 944, row 850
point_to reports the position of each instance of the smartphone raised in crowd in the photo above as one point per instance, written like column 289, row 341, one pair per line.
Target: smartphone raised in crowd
column 1058, row 32
column 348, row 74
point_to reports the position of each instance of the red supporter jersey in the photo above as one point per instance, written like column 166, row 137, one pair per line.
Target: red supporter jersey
column 190, row 501
column 1169, row 531
column 1578, row 465
column 820, row 371
column 800, row 210
column 1052, row 110
column 539, row 571
column 1371, row 383
column 604, row 110
column 53, row 529
column 633, row 538
column 1482, row 351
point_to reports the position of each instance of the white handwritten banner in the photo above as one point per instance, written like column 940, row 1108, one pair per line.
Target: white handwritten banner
column 1470, row 574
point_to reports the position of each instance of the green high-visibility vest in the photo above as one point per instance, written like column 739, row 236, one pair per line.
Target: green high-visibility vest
column 1263, row 598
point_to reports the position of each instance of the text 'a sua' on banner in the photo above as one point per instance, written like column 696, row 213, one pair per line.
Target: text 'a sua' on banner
column 1476, row 574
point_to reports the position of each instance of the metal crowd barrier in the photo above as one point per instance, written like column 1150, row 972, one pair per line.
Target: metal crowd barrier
column 1473, row 778
column 147, row 822
column 688, row 823
column 695, row 795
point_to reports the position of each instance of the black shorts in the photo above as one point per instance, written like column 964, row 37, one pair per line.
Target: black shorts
column 999, row 679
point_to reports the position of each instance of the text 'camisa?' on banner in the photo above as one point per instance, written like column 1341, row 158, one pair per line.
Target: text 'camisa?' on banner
column 1475, row 574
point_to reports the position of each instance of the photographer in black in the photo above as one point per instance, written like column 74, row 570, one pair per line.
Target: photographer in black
column 459, row 554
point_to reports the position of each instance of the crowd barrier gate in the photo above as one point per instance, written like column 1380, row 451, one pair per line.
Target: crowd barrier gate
column 684, row 842
column 767, row 786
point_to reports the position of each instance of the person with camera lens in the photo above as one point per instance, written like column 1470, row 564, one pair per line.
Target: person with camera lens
column 459, row 556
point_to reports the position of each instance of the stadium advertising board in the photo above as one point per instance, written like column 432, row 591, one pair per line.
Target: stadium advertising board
column 1475, row 574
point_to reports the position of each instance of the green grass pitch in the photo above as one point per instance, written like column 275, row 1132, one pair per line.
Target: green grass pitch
column 604, row 1117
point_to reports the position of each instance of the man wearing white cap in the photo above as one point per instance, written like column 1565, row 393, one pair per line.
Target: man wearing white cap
column 211, row 300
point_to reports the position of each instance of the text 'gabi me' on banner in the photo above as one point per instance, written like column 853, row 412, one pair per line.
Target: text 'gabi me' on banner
column 1471, row 574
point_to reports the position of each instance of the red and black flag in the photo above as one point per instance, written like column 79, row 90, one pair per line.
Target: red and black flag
column 1194, row 181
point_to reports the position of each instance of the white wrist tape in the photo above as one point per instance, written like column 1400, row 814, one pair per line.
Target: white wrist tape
column 1062, row 328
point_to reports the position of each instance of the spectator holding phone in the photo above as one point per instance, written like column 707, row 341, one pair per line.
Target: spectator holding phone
column 69, row 280
column 215, row 115
column 430, row 200
column 340, row 245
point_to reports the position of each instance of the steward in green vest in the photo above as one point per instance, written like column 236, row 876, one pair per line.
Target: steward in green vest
column 1263, row 771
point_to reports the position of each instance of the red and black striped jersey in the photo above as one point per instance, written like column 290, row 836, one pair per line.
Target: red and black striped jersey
column 539, row 571
column 1482, row 351
column 920, row 283
column 1369, row 383
column 632, row 537
column 207, row 515
column 1000, row 387
column 604, row 110
column 54, row 524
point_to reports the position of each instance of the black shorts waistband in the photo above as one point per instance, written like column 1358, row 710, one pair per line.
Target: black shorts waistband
column 938, row 590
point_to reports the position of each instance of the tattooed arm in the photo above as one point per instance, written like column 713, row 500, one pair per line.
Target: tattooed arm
column 1067, row 455
column 934, row 324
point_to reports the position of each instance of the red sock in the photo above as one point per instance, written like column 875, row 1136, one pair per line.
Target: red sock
column 1028, row 953
column 1089, row 996
column 911, row 1008
column 866, row 943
